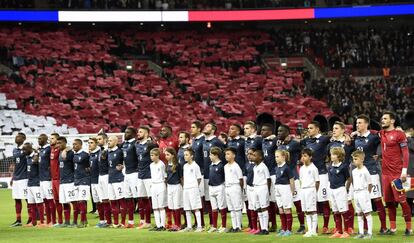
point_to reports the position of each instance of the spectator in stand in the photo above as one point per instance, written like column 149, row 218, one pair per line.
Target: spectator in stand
column 347, row 96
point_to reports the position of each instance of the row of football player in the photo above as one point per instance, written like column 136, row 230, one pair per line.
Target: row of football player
column 362, row 140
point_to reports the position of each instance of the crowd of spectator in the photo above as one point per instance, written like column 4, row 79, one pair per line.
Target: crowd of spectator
column 348, row 47
column 184, row 4
column 348, row 96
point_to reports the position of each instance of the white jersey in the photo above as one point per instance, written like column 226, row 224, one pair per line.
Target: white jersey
column 158, row 173
column 232, row 174
column 260, row 174
column 308, row 176
column 361, row 179
column 191, row 174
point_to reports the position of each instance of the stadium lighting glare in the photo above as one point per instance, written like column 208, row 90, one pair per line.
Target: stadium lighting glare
column 209, row 25
column 69, row 24
column 283, row 64
column 93, row 24
column 128, row 67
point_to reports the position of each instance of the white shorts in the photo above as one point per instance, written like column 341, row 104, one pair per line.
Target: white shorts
column 217, row 197
column 82, row 193
column 19, row 189
column 296, row 193
column 206, row 188
column 362, row 201
column 376, row 191
column 284, row 197
column 66, row 193
column 175, row 196
column 250, row 197
column 131, row 185
column 116, row 190
column 234, row 200
column 261, row 197
column 272, row 189
column 95, row 194
column 339, row 200
column 308, row 199
column 159, row 195
column 323, row 192
column 144, row 187
column 34, row 195
column 350, row 195
column 46, row 189
column 103, row 187
column 192, row 199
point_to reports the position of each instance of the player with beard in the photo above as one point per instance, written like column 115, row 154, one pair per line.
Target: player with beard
column 197, row 146
column 143, row 147
column 45, row 179
column 285, row 142
column 184, row 142
column 269, row 146
column 167, row 140
column 131, row 172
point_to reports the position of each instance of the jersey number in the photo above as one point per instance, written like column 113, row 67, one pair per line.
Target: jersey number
column 375, row 188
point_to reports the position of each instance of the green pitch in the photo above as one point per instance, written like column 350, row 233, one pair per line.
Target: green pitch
column 91, row 234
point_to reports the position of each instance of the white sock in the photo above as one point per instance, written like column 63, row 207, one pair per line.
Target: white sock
column 198, row 217
column 309, row 222
column 233, row 219
column 314, row 222
column 265, row 216
column 162, row 216
column 369, row 222
column 188, row 217
column 239, row 219
column 130, row 221
column 260, row 217
column 361, row 225
column 157, row 218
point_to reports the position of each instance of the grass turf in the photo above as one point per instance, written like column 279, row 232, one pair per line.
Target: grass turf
column 91, row 234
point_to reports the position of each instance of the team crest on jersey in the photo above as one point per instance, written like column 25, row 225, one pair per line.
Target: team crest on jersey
column 366, row 140
column 216, row 169
column 287, row 147
column 191, row 170
column 392, row 137
column 342, row 145
column 159, row 169
column 337, row 171
column 317, row 141
column 114, row 155
column 309, row 172
column 17, row 160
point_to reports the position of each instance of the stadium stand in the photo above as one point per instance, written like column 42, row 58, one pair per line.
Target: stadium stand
column 349, row 47
column 349, row 96
column 221, row 81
